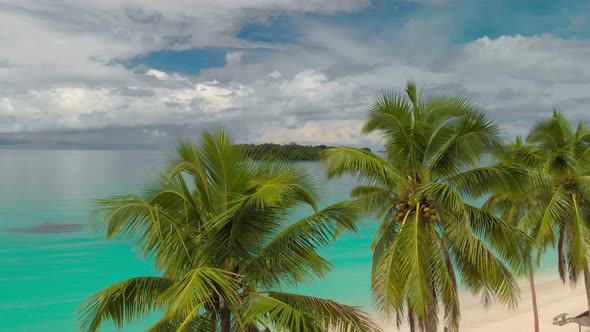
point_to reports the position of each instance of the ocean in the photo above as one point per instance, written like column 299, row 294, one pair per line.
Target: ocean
column 50, row 262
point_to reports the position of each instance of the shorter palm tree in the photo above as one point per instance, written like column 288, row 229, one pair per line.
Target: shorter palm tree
column 563, row 219
column 226, row 246
column 520, row 209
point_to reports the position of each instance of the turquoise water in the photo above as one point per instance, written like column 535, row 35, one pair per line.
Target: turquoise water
column 44, row 277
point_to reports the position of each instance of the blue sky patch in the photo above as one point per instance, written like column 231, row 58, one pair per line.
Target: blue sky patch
column 465, row 20
column 189, row 62
column 279, row 29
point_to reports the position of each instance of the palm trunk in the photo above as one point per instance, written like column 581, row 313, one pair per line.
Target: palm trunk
column 225, row 320
column 213, row 323
column 587, row 282
column 431, row 312
column 431, row 319
column 224, row 310
column 533, row 295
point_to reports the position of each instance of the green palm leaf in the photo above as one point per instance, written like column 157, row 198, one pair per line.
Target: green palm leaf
column 361, row 163
column 200, row 287
column 291, row 256
column 293, row 312
column 217, row 224
column 125, row 301
column 429, row 237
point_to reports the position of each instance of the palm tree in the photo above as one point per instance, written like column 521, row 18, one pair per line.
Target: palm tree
column 430, row 238
column 219, row 230
column 519, row 209
column 564, row 217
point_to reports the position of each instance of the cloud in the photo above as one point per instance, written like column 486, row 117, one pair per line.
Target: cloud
column 543, row 58
column 48, row 43
column 234, row 58
column 333, row 132
column 67, row 79
column 520, row 79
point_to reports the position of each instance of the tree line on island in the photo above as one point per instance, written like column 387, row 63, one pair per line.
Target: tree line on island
column 287, row 152
column 217, row 224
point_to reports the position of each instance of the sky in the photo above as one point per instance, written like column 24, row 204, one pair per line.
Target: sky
column 139, row 74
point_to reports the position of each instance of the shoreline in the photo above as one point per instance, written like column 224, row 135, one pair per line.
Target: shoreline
column 553, row 298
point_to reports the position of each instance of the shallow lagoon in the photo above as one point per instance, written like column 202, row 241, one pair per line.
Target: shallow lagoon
column 48, row 265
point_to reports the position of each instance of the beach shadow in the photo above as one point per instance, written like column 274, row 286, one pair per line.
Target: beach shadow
column 46, row 228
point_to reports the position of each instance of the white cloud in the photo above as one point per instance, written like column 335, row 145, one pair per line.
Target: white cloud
column 314, row 87
column 275, row 74
column 234, row 58
column 195, row 6
column 538, row 58
column 64, row 67
column 47, row 43
column 335, row 132
column 157, row 74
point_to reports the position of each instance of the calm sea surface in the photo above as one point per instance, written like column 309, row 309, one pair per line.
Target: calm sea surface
column 45, row 276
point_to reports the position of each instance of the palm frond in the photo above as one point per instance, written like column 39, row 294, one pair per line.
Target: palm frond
column 389, row 113
column 153, row 229
column 403, row 272
column 444, row 279
column 580, row 237
column 443, row 196
column 199, row 287
column 291, row 256
column 284, row 187
column 293, row 312
column 364, row 164
column 474, row 135
column 510, row 243
column 371, row 199
column 480, row 270
column 123, row 302
column 194, row 322
column 555, row 211
column 482, row 181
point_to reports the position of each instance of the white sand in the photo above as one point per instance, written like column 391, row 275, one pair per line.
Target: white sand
column 553, row 298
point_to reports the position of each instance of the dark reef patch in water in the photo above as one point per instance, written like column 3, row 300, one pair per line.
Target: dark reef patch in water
column 46, row 228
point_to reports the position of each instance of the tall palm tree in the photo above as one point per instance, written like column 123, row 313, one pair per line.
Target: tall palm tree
column 430, row 238
column 218, row 227
column 564, row 217
column 519, row 209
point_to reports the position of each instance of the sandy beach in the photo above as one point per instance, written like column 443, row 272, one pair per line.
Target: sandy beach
column 552, row 296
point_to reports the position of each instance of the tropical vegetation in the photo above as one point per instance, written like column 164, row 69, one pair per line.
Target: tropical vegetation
column 563, row 219
column 554, row 212
column 518, row 209
column 430, row 237
column 290, row 152
column 218, row 228
column 218, row 223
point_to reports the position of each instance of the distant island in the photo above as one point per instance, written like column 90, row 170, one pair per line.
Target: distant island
column 293, row 151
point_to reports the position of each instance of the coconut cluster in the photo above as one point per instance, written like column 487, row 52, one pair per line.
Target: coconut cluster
column 427, row 212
